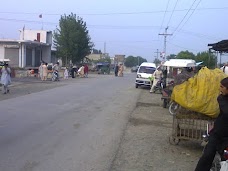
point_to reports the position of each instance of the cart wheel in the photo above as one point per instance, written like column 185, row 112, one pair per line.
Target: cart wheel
column 136, row 85
column 174, row 140
column 165, row 103
column 173, row 108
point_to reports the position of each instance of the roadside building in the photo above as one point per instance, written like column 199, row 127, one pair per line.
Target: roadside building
column 119, row 58
column 33, row 47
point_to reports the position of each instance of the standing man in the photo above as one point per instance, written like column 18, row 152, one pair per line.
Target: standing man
column 56, row 68
column 86, row 70
column 5, row 78
column 116, row 69
column 41, row 71
column 157, row 76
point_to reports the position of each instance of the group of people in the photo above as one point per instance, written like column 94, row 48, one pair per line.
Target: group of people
column 43, row 71
column 82, row 71
column 119, row 70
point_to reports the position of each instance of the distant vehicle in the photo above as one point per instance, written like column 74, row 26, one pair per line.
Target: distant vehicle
column 134, row 68
column 144, row 74
column 103, row 68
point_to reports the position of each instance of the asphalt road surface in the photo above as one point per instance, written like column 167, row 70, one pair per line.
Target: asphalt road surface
column 74, row 127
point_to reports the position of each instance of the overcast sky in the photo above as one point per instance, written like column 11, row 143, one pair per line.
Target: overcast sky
column 129, row 27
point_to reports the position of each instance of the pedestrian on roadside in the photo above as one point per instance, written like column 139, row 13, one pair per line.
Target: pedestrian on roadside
column 157, row 76
column 66, row 74
column 86, row 70
column 41, row 71
column 56, row 69
column 225, row 68
column 116, row 69
column 5, row 78
column 81, row 72
column 120, row 71
column 45, row 71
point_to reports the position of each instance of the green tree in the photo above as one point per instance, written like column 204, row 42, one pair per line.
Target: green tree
column 171, row 56
column 185, row 55
column 157, row 61
column 131, row 61
column 208, row 60
column 95, row 51
column 71, row 39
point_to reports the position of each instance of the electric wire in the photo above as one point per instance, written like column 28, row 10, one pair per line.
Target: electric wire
column 183, row 47
column 172, row 13
column 117, row 13
column 188, row 18
column 116, row 27
column 184, row 17
column 164, row 15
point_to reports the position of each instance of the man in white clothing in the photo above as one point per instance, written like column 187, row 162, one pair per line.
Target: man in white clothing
column 157, row 76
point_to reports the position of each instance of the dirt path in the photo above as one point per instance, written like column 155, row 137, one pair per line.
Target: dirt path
column 145, row 145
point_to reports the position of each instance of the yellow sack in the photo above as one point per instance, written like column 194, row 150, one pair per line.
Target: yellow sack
column 200, row 93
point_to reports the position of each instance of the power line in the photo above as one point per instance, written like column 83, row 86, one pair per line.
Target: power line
column 183, row 47
column 117, row 13
column 113, row 27
column 189, row 17
column 164, row 15
column 172, row 13
column 184, row 16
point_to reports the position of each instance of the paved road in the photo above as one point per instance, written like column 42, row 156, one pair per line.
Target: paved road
column 74, row 127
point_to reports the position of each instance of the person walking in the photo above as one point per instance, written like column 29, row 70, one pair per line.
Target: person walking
column 45, row 71
column 66, row 74
column 157, row 76
column 56, row 69
column 81, row 71
column 86, row 70
column 41, row 71
column 120, row 71
column 5, row 78
column 116, row 69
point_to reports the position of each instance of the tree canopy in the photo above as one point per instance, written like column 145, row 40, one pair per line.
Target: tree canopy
column 71, row 39
column 131, row 61
column 157, row 61
column 185, row 55
column 208, row 60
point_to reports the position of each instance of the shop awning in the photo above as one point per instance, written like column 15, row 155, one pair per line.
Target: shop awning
column 221, row 46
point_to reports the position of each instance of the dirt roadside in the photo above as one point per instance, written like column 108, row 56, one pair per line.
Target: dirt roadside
column 145, row 145
column 28, row 85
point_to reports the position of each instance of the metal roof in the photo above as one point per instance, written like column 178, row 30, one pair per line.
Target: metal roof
column 221, row 46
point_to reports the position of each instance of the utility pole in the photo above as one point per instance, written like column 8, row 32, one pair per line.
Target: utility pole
column 157, row 54
column 104, row 47
column 165, row 35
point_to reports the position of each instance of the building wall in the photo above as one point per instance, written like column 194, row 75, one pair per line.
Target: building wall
column 2, row 51
column 46, row 54
column 94, row 56
column 13, row 55
column 119, row 58
column 45, row 36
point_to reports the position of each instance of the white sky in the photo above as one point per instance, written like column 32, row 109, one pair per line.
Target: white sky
column 129, row 27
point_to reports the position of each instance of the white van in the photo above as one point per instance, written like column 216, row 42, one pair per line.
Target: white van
column 145, row 71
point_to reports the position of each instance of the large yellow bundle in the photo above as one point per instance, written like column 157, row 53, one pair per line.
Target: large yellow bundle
column 200, row 93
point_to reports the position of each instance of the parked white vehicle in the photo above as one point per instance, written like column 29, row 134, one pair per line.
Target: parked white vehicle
column 145, row 71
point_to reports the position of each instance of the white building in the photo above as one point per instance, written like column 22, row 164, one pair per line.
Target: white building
column 33, row 47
